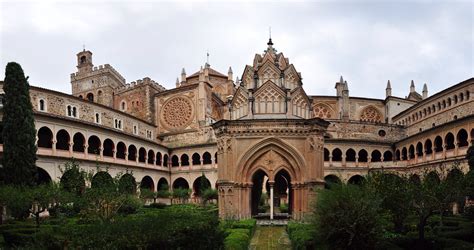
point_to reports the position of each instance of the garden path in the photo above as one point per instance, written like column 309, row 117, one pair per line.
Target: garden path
column 270, row 237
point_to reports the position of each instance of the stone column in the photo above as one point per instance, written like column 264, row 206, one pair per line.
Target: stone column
column 54, row 146
column 71, row 148
column 271, row 199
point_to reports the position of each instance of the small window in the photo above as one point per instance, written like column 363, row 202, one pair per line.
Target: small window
column 71, row 111
column 149, row 134
column 90, row 97
column 118, row 123
column 42, row 105
column 135, row 129
column 123, row 106
column 97, row 118
column 382, row 133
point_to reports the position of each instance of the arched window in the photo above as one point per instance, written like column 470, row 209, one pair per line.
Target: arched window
column 132, row 153
column 404, row 154
column 121, row 149
column 207, row 158
column 94, row 145
column 438, row 143
column 184, row 160
column 158, row 159
column 376, row 156
column 326, row 154
column 151, row 157
column 45, row 138
column 42, row 105
column 336, row 155
column 419, row 149
column 397, row 154
column 165, row 160
column 196, row 159
column 63, row 139
column 449, row 140
column 141, row 154
column 109, row 148
column 363, row 155
column 79, row 142
column 123, row 106
column 462, row 138
column 388, row 156
column 175, row 161
column 428, row 147
column 90, row 97
column 411, row 152
column 350, row 155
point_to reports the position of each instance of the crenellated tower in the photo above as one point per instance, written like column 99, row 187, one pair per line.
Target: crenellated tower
column 96, row 84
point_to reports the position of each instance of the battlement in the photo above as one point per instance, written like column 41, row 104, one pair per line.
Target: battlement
column 140, row 83
column 98, row 70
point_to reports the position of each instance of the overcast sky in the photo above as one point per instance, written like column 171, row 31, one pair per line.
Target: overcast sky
column 365, row 41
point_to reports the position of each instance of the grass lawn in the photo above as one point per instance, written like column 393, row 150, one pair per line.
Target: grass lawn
column 270, row 237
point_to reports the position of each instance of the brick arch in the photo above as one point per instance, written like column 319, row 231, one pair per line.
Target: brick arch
column 293, row 162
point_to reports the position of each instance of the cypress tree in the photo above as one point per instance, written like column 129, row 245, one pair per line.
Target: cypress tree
column 19, row 133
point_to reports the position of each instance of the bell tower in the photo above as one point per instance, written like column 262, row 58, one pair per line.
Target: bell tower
column 84, row 61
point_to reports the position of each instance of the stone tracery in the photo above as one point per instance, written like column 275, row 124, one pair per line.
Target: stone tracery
column 370, row 114
column 177, row 112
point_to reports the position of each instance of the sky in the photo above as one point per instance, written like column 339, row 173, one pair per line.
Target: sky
column 367, row 42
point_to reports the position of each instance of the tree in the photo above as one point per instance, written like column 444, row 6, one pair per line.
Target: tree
column 19, row 133
column 393, row 192
column 43, row 197
column 73, row 178
column 470, row 157
column 348, row 217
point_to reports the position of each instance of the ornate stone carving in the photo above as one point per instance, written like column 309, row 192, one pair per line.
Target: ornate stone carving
column 177, row 113
column 322, row 111
column 370, row 114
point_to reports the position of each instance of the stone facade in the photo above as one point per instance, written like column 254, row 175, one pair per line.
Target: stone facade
column 259, row 132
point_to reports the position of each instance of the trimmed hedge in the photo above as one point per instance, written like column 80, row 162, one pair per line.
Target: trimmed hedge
column 301, row 235
column 239, row 234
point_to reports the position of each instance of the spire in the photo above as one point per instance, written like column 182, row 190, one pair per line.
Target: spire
column 177, row 82
column 183, row 75
column 341, row 80
column 230, row 74
column 270, row 43
column 412, row 86
column 425, row 91
column 388, row 89
column 345, row 87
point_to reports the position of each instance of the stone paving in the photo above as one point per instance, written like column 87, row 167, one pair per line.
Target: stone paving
column 270, row 237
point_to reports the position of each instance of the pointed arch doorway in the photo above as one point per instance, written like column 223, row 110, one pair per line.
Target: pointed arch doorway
column 271, row 198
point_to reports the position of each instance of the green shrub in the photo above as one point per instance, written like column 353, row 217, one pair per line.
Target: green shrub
column 130, row 205
column 301, row 235
column 157, row 205
column 284, row 208
column 237, row 240
column 346, row 216
column 18, row 236
column 248, row 224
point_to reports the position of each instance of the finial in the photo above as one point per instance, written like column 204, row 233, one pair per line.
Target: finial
column 270, row 43
column 341, row 80
column 177, row 81
column 230, row 70
column 412, row 83
column 389, row 86
column 83, row 47
column 425, row 87
column 207, row 59
column 183, row 72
